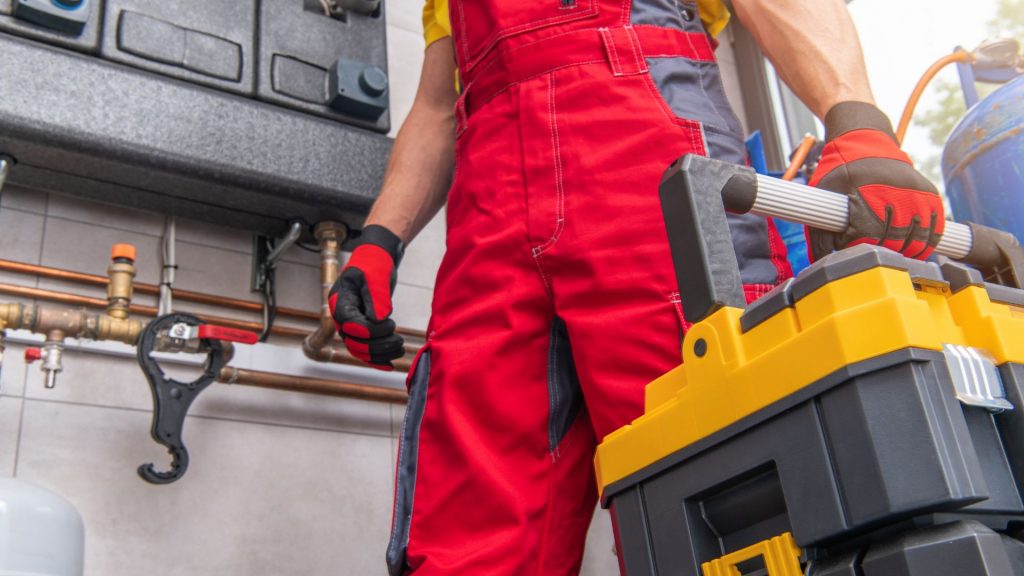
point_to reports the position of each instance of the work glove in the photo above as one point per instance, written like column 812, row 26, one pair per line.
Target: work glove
column 360, row 299
column 891, row 204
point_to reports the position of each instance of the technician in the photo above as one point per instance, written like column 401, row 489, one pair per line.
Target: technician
column 557, row 301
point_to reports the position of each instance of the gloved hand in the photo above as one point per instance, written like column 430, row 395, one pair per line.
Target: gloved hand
column 360, row 299
column 891, row 203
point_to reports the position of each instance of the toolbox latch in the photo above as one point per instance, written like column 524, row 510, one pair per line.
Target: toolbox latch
column 975, row 378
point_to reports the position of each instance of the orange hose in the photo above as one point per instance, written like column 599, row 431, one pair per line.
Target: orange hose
column 915, row 96
column 800, row 156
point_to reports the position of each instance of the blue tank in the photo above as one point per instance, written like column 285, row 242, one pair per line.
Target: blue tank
column 983, row 162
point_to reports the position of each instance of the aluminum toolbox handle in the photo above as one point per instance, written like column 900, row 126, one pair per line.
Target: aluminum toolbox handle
column 829, row 211
column 695, row 193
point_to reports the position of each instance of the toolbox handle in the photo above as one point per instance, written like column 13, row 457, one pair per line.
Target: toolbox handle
column 695, row 189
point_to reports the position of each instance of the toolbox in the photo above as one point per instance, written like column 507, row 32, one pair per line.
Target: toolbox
column 862, row 419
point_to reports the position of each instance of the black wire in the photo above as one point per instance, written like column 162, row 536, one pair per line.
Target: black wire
column 269, row 293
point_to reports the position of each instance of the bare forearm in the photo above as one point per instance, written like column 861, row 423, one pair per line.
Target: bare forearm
column 420, row 169
column 814, row 47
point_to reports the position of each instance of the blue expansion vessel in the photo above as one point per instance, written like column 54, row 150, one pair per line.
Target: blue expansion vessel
column 983, row 162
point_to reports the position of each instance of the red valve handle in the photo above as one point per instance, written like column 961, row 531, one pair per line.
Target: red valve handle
column 33, row 354
column 211, row 332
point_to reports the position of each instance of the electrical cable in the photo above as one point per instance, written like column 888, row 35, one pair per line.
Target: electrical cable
column 268, row 293
column 170, row 266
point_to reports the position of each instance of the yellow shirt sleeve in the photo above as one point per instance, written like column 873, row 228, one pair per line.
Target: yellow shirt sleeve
column 436, row 24
column 714, row 14
column 435, row 21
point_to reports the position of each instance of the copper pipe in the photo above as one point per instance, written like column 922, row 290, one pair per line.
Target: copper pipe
column 340, row 356
column 319, row 344
column 153, row 290
column 232, row 375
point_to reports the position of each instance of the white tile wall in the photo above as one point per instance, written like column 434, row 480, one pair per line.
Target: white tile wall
column 22, row 199
column 22, row 240
column 12, row 376
column 10, row 427
column 257, row 500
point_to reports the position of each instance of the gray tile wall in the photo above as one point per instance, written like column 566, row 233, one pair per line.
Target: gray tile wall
column 280, row 483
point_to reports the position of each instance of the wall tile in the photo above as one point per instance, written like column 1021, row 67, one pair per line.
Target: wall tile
column 295, row 409
column 23, row 199
column 301, row 256
column 94, row 379
column 218, row 311
column 412, row 306
column 424, row 254
column 14, row 370
column 118, row 382
column 406, row 14
column 257, row 500
column 22, row 239
column 228, row 273
column 405, row 58
column 215, row 271
column 10, row 425
column 22, row 242
column 106, row 215
column 298, row 286
column 206, row 234
column 86, row 248
column 88, row 291
column 599, row 558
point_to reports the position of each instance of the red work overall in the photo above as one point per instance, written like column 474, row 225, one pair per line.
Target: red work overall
column 557, row 301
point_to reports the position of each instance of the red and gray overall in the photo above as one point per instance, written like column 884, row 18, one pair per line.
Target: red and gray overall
column 557, row 301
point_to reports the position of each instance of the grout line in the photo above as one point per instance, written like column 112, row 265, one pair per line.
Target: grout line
column 42, row 240
column 197, row 243
column 17, row 442
column 6, row 208
column 213, row 418
column 414, row 285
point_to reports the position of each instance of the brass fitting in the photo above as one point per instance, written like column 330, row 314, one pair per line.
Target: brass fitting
column 75, row 323
column 121, row 272
column 126, row 331
column 11, row 315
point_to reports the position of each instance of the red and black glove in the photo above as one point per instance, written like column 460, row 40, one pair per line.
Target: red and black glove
column 360, row 299
column 891, row 204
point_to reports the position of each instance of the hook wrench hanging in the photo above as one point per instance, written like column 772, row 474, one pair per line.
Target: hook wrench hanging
column 172, row 398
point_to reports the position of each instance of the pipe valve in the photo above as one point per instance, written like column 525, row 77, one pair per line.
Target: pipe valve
column 53, row 361
column 52, row 356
